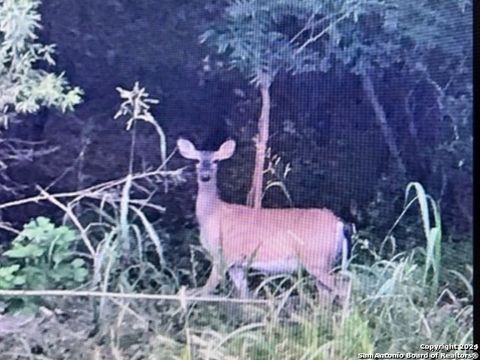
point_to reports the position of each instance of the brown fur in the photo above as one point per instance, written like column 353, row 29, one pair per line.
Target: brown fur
column 272, row 240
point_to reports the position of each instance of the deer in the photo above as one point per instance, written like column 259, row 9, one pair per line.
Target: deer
column 272, row 241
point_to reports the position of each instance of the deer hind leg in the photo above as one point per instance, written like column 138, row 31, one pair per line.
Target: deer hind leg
column 324, row 281
column 212, row 281
column 335, row 290
column 239, row 278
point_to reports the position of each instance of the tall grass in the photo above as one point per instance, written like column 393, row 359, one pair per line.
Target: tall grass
column 397, row 303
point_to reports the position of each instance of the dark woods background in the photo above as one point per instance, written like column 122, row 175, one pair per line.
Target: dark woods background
column 322, row 123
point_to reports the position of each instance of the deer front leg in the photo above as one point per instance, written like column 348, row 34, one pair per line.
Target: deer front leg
column 213, row 280
column 239, row 277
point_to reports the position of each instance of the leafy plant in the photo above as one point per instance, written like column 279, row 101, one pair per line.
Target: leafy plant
column 136, row 106
column 41, row 257
column 24, row 85
column 278, row 172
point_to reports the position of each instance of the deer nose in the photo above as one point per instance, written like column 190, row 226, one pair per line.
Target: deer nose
column 205, row 177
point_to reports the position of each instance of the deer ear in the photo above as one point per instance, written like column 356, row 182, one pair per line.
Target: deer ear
column 226, row 150
column 187, row 149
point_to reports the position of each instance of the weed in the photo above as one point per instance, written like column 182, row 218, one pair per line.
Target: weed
column 42, row 256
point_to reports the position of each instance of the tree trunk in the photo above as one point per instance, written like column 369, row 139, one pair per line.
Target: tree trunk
column 254, row 197
column 382, row 121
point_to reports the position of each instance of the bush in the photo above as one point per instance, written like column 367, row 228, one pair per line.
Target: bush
column 41, row 257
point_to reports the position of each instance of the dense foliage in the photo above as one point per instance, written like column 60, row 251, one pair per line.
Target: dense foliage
column 25, row 82
column 427, row 44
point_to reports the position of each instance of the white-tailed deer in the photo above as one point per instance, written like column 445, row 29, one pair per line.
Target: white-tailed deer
column 269, row 240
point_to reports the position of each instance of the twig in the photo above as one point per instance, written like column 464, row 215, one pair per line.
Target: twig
column 307, row 26
column 91, row 190
column 74, row 219
column 310, row 25
column 323, row 32
column 9, row 228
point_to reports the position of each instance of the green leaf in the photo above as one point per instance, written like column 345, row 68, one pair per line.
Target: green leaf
column 43, row 222
column 80, row 274
column 8, row 270
column 20, row 280
column 24, row 251
column 78, row 263
column 59, row 257
column 68, row 235
column 7, row 276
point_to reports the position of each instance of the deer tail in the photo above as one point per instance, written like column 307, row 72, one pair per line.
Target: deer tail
column 344, row 244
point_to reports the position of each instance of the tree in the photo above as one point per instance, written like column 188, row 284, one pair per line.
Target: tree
column 431, row 42
column 24, row 85
column 262, row 38
column 407, row 33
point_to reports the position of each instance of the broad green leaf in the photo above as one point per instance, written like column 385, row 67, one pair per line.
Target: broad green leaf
column 8, row 270
column 78, row 263
column 24, row 251
column 20, row 280
column 80, row 274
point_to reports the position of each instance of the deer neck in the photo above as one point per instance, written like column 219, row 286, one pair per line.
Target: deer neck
column 207, row 211
column 207, row 201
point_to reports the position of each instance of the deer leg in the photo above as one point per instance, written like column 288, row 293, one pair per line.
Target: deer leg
column 239, row 278
column 212, row 282
column 324, row 281
column 336, row 291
